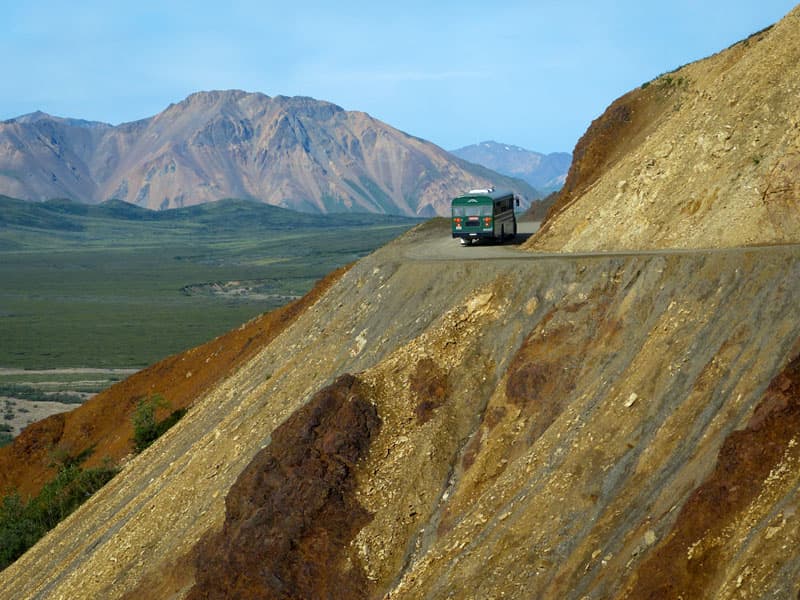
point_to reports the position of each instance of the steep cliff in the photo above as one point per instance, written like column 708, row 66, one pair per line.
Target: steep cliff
column 707, row 155
column 541, row 428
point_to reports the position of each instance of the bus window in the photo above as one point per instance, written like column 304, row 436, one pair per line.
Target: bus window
column 474, row 211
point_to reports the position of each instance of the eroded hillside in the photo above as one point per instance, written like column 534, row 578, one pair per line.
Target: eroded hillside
column 531, row 427
column 705, row 156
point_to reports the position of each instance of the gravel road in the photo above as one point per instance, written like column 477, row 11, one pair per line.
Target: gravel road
column 444, row 248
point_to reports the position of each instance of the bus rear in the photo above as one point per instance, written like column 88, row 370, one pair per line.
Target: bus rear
column 483, row 215
column 472, row 218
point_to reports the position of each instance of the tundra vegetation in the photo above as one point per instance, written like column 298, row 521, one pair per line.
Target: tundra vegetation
column 116, row 285
column 146, row 426
column 5, row 434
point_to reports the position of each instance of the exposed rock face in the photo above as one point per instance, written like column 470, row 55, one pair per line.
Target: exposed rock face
column 705, row 156
column 739, row 498
column 291, row 514
column 297, row 153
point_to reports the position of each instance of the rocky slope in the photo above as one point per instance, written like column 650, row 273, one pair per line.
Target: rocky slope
column 297, row 153
column 545, row 172
column 549, row 428
column 706, row 155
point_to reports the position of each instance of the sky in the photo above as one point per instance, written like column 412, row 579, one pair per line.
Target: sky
column 532, row 74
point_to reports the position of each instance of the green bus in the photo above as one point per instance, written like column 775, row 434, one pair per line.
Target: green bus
column 484, row 215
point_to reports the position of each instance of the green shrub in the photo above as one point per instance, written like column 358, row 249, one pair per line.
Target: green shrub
column 18, row 531
column 22, row 523
column 5, row 438
column 146, row 429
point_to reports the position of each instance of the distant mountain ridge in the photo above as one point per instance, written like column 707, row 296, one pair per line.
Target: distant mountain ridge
column 296, row 152
column 60, row 216
column 38, row 115
column 545, row 172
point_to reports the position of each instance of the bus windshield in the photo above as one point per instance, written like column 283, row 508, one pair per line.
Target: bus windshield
column 472, row 211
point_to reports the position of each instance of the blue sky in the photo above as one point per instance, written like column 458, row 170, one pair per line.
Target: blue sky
column 533, row 73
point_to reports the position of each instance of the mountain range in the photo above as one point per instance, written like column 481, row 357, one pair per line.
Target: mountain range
column 545, row 172
column 617, row 418
column 297, row 153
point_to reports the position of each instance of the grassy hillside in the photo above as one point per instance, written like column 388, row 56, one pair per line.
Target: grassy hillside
column 115, row 285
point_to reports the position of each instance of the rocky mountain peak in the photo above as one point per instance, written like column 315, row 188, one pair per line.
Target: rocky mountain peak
column 33, row 117
column 220, row 101
column 295, row 152
column 43, row 117
column 304, row 105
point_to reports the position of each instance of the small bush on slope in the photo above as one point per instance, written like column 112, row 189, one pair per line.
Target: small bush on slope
column 146, row 429
column 22, row 523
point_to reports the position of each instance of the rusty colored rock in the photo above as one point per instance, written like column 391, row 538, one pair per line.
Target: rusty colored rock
column 606, row 141
column 746, row 459
column 291, row 514
column 429, row 383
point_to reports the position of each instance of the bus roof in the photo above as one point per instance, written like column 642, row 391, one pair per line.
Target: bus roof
column 482, row 195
